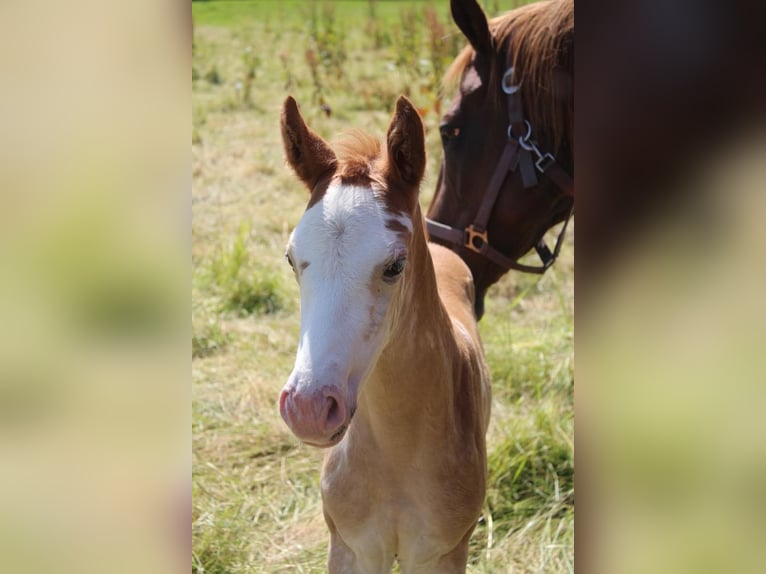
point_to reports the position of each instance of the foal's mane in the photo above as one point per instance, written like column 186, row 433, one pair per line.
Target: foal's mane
column 357, row 153
column 540, row 36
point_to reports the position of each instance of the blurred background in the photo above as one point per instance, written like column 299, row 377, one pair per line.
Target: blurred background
column 670, row 325
column 94, row 287
column 96, row 233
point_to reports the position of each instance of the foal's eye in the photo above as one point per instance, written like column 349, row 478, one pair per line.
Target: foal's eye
column 448, row 132
column 393, row 270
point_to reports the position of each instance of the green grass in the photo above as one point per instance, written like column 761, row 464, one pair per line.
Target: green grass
column 256, row 501
column 234, row 13
column 242, row 285
column 208, row 338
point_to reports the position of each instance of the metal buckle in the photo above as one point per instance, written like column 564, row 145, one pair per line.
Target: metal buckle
column 471, row 233
column 506, row 84
column 544, row 162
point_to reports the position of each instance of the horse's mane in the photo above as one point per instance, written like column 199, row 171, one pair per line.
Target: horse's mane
column 540, row 36
column 356, row 153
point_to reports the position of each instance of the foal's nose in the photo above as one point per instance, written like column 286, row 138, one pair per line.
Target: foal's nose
column 315, row 417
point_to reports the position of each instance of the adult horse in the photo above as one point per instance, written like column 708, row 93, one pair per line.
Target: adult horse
column 506, row 176
column 390, row 372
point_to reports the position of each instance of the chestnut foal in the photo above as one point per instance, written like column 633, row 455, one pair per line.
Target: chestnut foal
column 390, row 371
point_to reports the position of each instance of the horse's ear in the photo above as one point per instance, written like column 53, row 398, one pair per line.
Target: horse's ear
column 472, row 21
column 406, row 145
column 308, row 154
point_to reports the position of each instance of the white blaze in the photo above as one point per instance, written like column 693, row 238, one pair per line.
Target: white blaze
column 344, row 299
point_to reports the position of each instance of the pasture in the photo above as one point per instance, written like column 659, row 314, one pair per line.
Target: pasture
column 256, row 501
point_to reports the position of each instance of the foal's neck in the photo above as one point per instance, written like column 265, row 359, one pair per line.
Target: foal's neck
column 419, row 317
column 413, row 373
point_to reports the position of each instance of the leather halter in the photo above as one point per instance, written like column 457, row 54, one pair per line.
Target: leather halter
column 517, row 153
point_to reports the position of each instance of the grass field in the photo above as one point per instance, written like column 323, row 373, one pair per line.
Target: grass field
column 256, row 502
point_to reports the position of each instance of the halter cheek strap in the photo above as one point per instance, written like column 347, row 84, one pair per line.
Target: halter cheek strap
column 517, row 125
column 518, row 151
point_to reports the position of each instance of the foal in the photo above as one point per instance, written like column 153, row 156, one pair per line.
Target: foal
column 390, row 371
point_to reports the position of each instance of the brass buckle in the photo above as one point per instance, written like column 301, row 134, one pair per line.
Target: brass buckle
column 470, row 234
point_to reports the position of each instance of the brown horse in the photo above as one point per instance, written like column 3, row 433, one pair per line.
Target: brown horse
column 508, row 139
column 390, row 371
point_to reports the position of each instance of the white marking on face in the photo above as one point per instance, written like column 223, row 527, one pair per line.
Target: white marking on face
column 344, row 297
column 471, row 81
column 402, row 219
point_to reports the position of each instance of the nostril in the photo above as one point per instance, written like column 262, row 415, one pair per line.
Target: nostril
column 314, row 415
column 284, row 397
column 332, row 410
column 334, row 414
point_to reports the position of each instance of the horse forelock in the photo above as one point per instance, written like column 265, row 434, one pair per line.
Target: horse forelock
column 540, row 38
column 363, row 162
column 357, row 155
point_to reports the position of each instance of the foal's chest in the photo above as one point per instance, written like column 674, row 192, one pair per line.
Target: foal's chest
column 410, row 511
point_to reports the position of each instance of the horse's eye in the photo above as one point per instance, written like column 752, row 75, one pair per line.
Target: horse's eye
column 448, row 132
column 393, row 270
column 289, row 260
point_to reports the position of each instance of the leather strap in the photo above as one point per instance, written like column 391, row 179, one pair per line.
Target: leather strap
column 514, row 155
column 445, row 232
column 546, row 256
column 457, row 237
column 493, row 189
column 518, row 127
column 527, row 167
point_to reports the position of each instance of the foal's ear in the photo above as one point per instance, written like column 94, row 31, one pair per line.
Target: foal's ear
column 472, row 21
column 406, row 145
column 308, row 154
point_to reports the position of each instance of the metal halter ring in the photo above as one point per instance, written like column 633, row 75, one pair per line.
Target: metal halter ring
column 524, row 138
column 527, row 142
column 506, row 84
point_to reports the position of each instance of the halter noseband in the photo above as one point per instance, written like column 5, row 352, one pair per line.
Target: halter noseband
column 517, row 152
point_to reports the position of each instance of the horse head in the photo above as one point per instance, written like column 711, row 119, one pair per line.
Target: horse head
column 349, row 253
column 537, row 41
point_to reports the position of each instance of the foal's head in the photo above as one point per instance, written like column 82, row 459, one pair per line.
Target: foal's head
column 349, row 253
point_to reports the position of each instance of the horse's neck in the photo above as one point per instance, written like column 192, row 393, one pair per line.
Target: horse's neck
column 412, row 376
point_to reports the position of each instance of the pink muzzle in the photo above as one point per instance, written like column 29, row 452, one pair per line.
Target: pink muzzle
column 316, row 417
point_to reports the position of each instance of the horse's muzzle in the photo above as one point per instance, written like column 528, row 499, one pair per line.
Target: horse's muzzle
column 319, row 417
